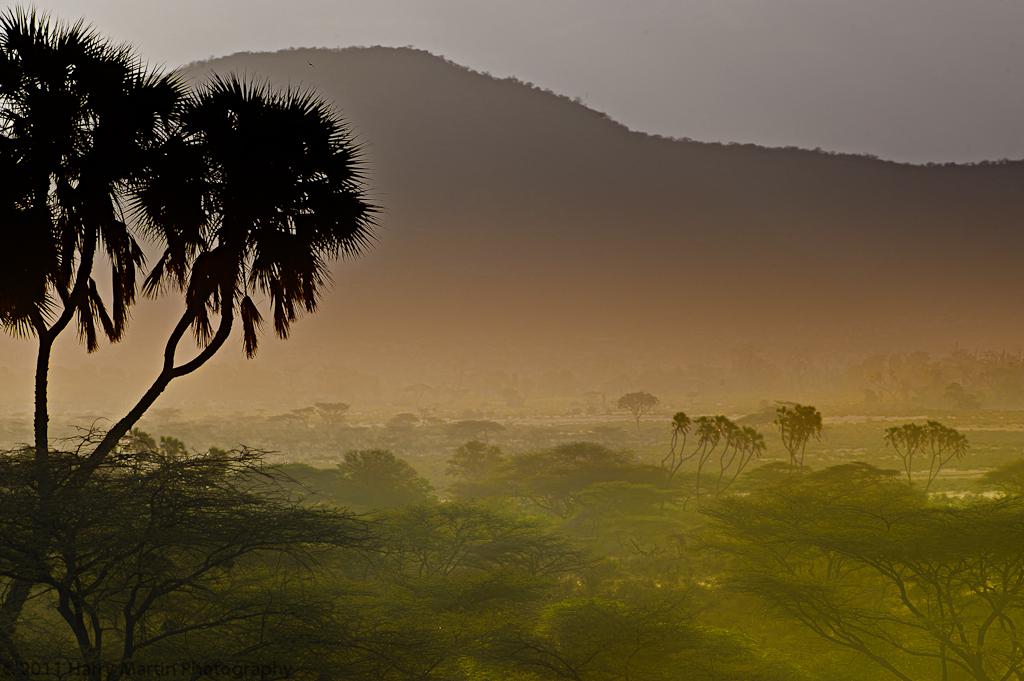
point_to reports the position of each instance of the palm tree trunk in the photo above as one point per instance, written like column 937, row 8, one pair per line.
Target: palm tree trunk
column 167, row 374
column 47, row 336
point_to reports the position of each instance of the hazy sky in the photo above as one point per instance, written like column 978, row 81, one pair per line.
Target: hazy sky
column 915, row 80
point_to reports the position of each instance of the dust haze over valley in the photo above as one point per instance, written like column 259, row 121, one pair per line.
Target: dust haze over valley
column 535, row 245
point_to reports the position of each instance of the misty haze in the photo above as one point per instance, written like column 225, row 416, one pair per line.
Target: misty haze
column 363, row 364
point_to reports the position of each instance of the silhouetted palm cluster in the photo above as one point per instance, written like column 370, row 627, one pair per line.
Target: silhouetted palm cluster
column 247, row 193
column 246, row 190
column 78, row 118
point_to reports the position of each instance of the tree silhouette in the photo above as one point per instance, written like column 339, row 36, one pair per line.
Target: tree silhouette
column 304, row 414
column 78, row 118
column 403, row 421
column 941, row 443
column 376, row 478
column 162, row 547
column 959, row 397
column 1009, row 478
column 254, row 193
column 747, row 444
column 331, row 412
column 637, row 404
column 924, row 592
column 674, row 459
column 472, row 429
column 474, row 465
column 796, row 427
column 741, row 445
column 553, row 478
column 244, row 190
column 907, row 440
column 709, row 431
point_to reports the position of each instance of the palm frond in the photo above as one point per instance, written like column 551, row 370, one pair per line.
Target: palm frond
column 251, row 323
column 79, row 115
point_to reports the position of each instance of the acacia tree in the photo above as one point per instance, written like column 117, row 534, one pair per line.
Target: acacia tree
column 376, row 478
column 474, row 466
column 472, row 429
column 1008, row 478
column 331, row 412
column 597, row 639
column 637, row 404
column 159, row 549
column 924, row 593
column 553, row 478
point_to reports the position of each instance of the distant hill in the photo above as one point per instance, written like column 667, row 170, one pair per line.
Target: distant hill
column 525, row 232
column 516, row 211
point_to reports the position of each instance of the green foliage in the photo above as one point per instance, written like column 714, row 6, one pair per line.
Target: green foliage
column 432, row 540
column 310, row 484
column 1009, row 478
column 157, row 548
column 376, row 478
column 865, row 564
column 138, row 549
column 592, row 639
column 474, row 466
column 600, row 639
column 552, row 479
column 475, row 461
column 643, row 534
column 446, row 582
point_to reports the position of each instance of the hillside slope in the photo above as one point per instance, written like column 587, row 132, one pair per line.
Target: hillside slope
column 524, row 232
column 534, row 212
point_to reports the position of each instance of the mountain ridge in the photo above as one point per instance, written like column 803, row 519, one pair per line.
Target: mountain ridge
column 579, row 101
column 469, row 165
column 525, row 232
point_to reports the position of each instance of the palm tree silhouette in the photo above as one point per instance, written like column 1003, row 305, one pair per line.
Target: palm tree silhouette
column 248, row 191
column 255, row 192
column 77, row 117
